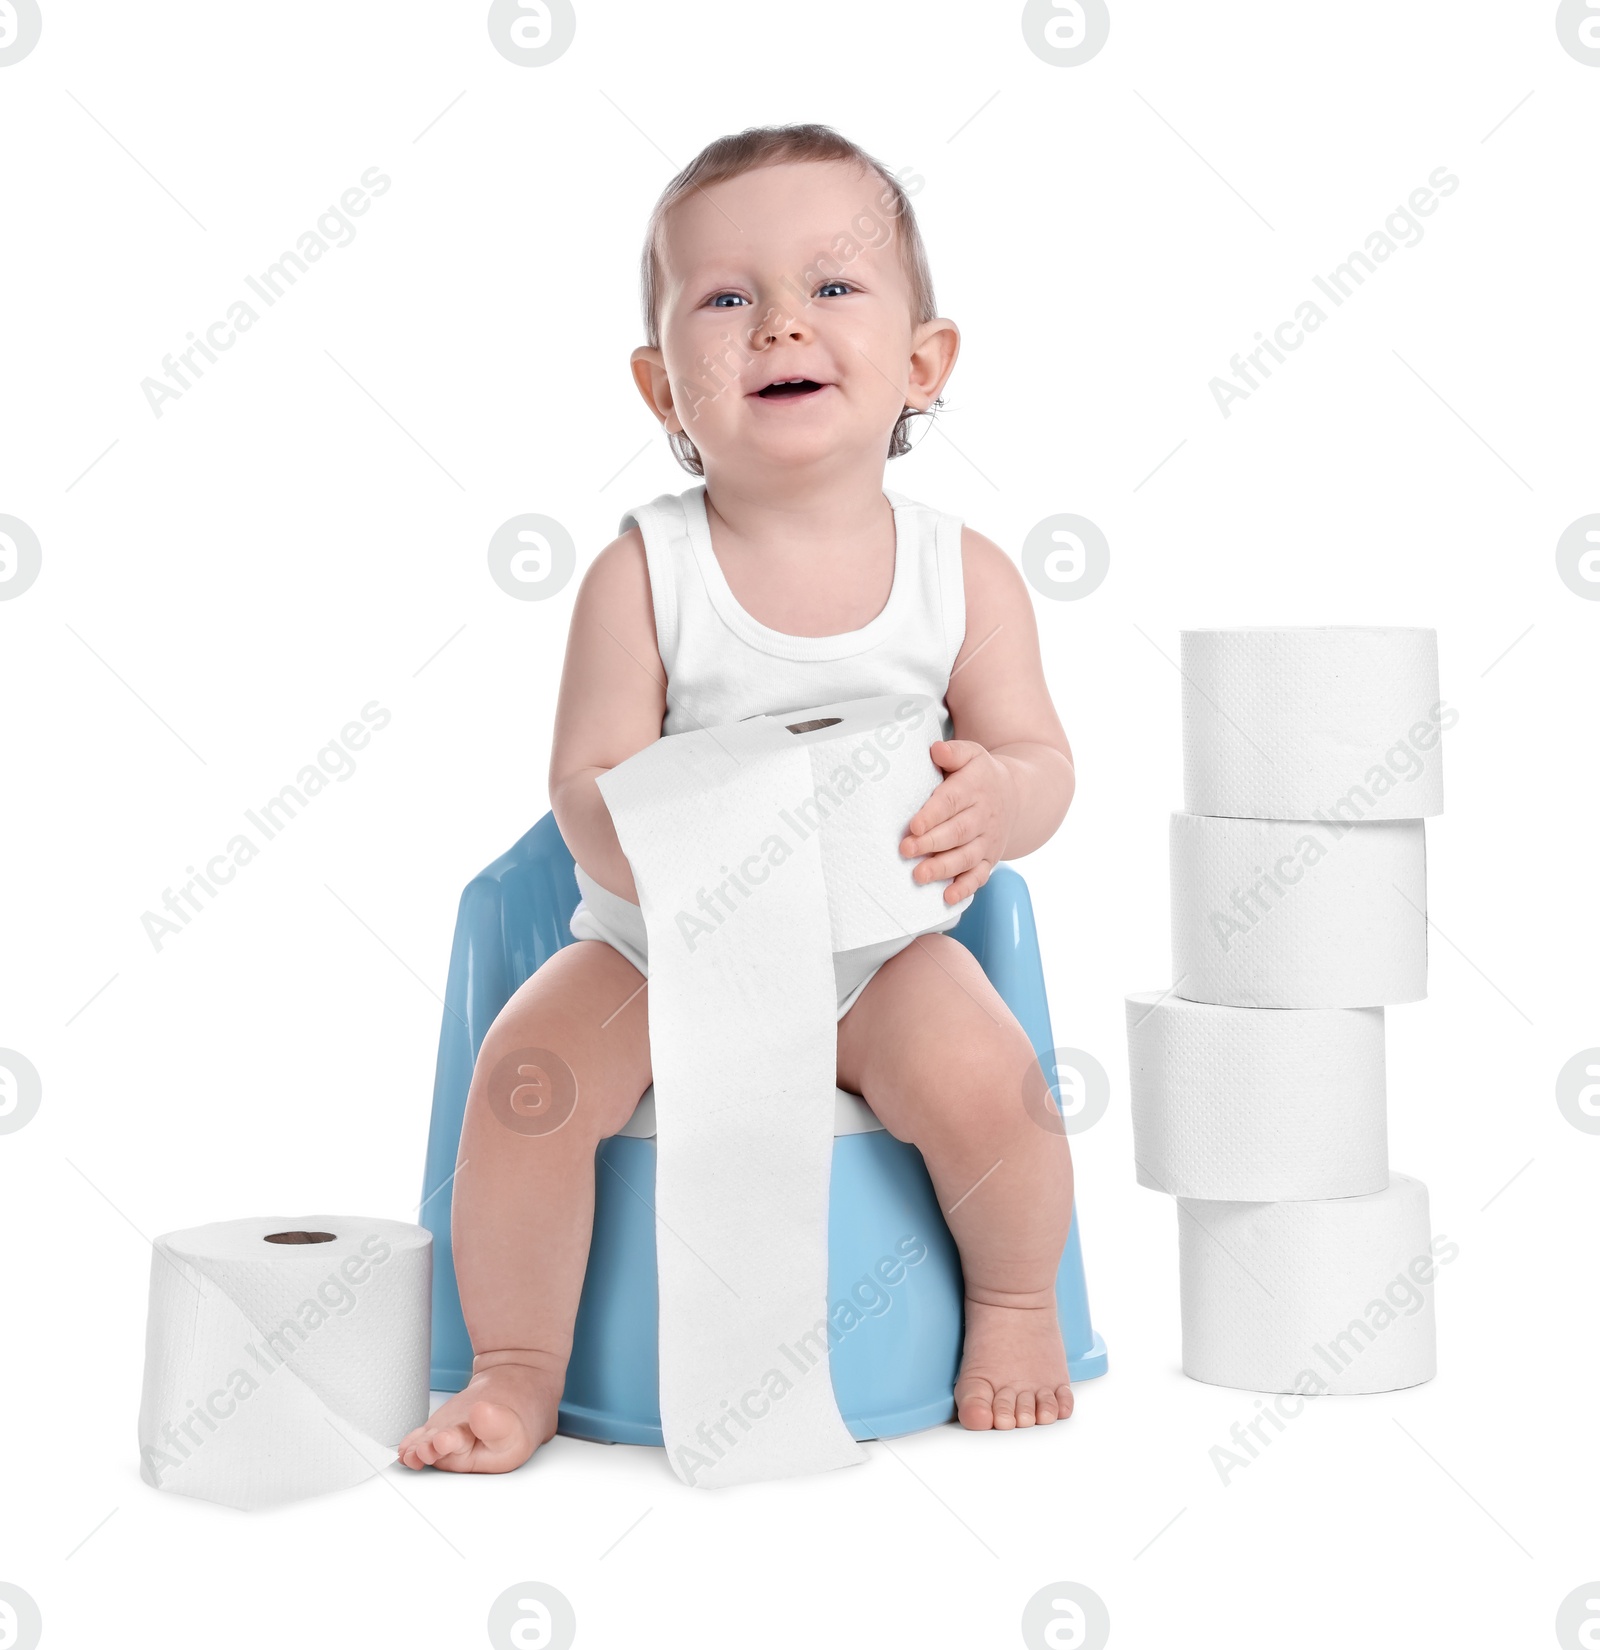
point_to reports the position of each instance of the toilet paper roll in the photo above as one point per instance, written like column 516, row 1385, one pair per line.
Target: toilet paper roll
column 1333, row 1296
column 1252, row 1105
column 758, row 850
column 1298, row 913
column 284, row 1356
column 1341, row 721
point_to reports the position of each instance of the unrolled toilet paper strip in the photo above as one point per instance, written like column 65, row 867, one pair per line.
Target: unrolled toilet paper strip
column 1298, row 913
column 1334, row 1296
column 1256, row 1105
column 1339, row 721
column 278, row 1370
column 757, row 852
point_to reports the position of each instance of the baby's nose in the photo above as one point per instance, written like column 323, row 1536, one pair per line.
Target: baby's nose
column 776, row 324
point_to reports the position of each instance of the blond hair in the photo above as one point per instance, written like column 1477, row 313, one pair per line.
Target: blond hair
column 746, row 151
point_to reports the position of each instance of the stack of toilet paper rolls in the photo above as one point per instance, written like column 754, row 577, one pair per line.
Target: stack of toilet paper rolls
column 1311, row 758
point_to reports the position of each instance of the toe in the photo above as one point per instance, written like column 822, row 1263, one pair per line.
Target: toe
column 1025, row 1407
column 1045, row 1407
column 975, row 1405
column 463, row 1460
column 409, row 1447
column 432, row 1446
column 1005, row 1409
column 1064, row 1400
column 450, row 1442
column 495, row 1426
column 449, row 1448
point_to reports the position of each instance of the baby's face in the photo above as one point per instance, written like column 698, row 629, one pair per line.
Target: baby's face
column 790, row 271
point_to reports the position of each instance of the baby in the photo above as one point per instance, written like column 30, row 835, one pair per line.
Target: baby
column 792, row 335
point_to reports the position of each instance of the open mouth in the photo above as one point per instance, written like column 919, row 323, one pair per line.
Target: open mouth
column 790, row 389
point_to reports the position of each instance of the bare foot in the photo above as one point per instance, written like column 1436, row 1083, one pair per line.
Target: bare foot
column 497, row 1420
column 1013, row 1368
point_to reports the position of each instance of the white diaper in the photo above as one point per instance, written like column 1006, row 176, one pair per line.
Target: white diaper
column 619, row 923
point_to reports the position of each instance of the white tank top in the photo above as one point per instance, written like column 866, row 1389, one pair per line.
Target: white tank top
column 723, row 665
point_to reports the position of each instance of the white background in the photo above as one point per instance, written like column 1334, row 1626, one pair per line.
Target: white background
column 305, row 531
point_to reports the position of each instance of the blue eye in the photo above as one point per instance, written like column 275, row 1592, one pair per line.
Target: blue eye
column 739, row 299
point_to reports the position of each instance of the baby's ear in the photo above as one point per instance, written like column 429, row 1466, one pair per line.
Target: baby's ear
column 649, row 369
column 934, row 348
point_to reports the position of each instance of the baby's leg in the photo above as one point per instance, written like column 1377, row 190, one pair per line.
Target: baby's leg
column 523, row 1201
column 941, row 1060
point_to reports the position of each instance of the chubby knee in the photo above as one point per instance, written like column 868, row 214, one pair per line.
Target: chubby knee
column 535, row 1083
column 958, row 1087
column 968, row 1087
column 527, row 1089
column 936, row 1051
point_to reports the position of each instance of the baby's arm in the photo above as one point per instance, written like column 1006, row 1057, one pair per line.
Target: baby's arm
column 1008, row 771
column 613, row 698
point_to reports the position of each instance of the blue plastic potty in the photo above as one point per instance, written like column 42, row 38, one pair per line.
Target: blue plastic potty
column 894, row 1278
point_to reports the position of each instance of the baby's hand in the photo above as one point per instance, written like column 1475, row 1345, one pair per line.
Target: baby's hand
column 965, row 825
